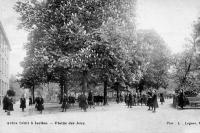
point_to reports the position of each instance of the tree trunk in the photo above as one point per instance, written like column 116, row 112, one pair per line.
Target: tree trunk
column 84, row 81
column 105, row 92
column 33, row 94
column 65, row 88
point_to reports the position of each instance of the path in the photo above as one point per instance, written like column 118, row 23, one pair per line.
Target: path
column 115, row 118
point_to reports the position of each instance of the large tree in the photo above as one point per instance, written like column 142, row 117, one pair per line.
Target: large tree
column 154, row 64
column 62, row 36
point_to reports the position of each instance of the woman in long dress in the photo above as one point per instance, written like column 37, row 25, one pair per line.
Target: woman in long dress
column 83, row 102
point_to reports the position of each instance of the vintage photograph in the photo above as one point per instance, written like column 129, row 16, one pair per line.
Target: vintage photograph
column 100, row 66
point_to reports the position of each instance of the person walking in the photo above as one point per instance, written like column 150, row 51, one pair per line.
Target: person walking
column 39, row 104
column 83, row 102
column 22, row 103
column 162, row 100
column 64, row 103
column 126, row 99
column 181, row 99
column 30, row 101
column 154, row 101
column 90, row 99
column 149, row 100
column 5, row 103
column 9, row 105
column 130, row 99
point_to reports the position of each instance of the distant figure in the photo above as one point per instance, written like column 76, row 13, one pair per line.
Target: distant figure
column 149, row 100
column 83, row 102
column 154, row 101
column 39, row 104
column 5, row 103
column 126, row 99
column 162, row 100
column 71, row 100
column 22, row 103
column 64, row 103
column 181, row 99
column 144, row 99
column 9, row 105
column 90, row 99
column 130, row 100
column 30, row 101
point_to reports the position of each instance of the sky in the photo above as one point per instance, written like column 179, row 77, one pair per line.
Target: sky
column 172, row 19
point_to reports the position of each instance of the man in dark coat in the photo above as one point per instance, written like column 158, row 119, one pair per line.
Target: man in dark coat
column 64, row 103
column 90, row 99
column 181, row 99
column 39, row 104
column 130, row 100
column 22, row 103
column 5, row 103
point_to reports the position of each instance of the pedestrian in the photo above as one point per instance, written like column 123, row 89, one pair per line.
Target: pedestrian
column 90, row 100
column 83, row 102
column 39, row 103
column 162, row 100
column 9, row 105
column 5, row 103
column 149, row 100
column 64, row 103
column 126, row 99
column 154, row 101
column 130, row 99
column 22, row 103
column 181, row 98
column 30, row 101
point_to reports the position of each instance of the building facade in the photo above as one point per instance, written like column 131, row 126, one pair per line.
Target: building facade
column 4, row 63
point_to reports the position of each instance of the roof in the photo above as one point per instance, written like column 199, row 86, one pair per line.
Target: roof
column 4, row 34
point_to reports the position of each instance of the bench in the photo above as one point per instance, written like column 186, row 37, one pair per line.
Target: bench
column 194, row 101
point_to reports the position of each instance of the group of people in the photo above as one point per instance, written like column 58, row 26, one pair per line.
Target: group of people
column 149, row 99
column 136, row 99
column 67, row 101
column 8, row 103
column 38, row 103
column 83, row 101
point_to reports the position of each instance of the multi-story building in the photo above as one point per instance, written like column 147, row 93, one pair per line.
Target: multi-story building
column 4, row 63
